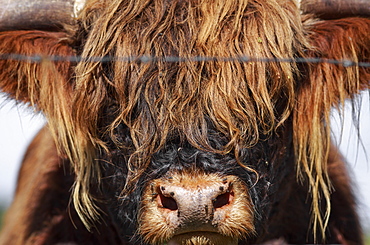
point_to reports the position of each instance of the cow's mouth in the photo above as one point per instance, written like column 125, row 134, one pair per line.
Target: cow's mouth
column 201, row 238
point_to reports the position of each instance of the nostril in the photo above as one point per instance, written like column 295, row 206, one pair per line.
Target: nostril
column 222, row 200
column 167, row 202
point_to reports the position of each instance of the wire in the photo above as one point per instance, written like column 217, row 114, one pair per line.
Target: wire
column 176, row 59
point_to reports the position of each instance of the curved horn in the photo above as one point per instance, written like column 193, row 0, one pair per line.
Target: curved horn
column 37, row 14
column 334, row 9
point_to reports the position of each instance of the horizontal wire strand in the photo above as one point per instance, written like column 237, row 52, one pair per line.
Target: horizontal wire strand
column 177, row 59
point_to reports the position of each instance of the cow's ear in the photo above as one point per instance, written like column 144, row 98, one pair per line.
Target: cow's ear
column 344, row 46
column 341, row 36
column 28, row 72
column 30, row 34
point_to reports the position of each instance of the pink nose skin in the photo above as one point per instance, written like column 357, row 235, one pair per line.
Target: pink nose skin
column 191, row 209
column 197, row 208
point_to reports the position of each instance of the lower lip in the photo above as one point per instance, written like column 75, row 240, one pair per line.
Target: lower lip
column 202, row 238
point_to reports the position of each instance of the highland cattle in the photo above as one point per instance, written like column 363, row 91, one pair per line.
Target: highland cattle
column 184, row 121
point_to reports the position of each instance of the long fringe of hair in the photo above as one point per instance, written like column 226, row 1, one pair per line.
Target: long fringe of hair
column 324, row 87
column 158, row 100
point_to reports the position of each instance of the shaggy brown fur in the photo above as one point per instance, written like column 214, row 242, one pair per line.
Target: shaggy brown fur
column 243, row 101
column 158, row 100
column 44, row 85
column 32, row 82
column 323, row 87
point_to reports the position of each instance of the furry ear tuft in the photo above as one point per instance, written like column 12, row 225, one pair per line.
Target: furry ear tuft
column 38, row 83
column 344, row 40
